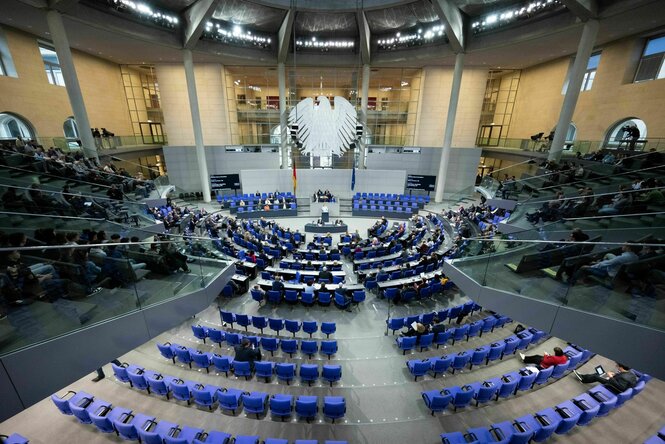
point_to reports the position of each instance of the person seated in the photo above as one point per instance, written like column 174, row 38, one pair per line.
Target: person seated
column 277, row 284
column 325, row 274
column 261, row 291
column 609, row 266
column 420, row 330
column 437, row 326
column 247, row 352
column 546, row 360
column 251, row 256
column 616, row 382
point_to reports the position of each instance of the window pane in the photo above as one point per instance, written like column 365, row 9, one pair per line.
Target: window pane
column 649, row 68
column 655, row 46
column 593, row 61
column 661, row 73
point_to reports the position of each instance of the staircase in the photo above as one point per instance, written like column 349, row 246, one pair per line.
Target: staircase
column 345, row 207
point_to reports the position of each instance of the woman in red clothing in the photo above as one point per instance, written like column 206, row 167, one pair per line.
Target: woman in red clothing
column 547, row 360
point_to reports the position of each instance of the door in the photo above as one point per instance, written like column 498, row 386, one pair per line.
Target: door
column 489, row 135
column 151, row 133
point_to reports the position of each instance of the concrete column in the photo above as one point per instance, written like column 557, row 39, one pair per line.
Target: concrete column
column 450, row 126
column 61, row 43
column 283, row 115
column 196, row 124
column 363, row 112
column 584, row 49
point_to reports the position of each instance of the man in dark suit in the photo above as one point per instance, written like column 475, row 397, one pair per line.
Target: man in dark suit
column 277, row 284
column 326, row 274
column 616, row 382
column 245, row 352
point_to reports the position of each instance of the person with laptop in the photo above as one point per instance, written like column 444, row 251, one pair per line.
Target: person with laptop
column 546, row 360
column 617, row 382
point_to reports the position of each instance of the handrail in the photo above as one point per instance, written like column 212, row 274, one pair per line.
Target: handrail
column 55, row 176
column 50, row 215
column 603, row 177
column 613, row 216
column 70, row 194
column 590, row 195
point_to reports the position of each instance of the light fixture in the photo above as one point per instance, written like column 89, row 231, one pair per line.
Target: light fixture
column 323, row 45
column 146, row 11
column 412, row 37
column 520, row 12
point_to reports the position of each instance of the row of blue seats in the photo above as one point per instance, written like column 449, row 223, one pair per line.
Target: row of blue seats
column 480, row 355
column 658, row 438
column 275, row 324
column 324, row 298
column 385, row 263
column 408, row 197
column 264, row 369
column 233, row 339
column 251, row 208
column 450, row 313
column 322, row 257
column 134, row 426
column 14, row 438
column 499, row 387
column 560, row 419
column 274, row 252
column 206, row 395
column 467, row 331
column 300, row 278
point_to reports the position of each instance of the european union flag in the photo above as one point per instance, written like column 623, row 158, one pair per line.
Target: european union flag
column 353, row 178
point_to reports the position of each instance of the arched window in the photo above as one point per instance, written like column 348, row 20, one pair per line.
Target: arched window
column 618, row 135
column 275, row 135
column 571, row 133
column 13, row 127
column 70, row 129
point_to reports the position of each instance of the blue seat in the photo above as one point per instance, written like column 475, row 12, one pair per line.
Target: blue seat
column 120, row 372
column 291, row 296
column 331, row 373
column 485, row 435
column 395, row 324
column 127, row 425
column 167, row 351
column 233, row 339
column 216, row 336
column 270, row 344
column 511, row 345
column 462, row 396
column 281, row 405
column 229, row 399
column 484, row 391
column 525, row 339
column 293, row 326
column 285, row 372
column 391, row 293
column 324, row 298
column 199, row 332
column 244, row 439
column 276, row 325
column 604, row 397
column 307, row 299
column 479, row 356
column 328, row 328
column 460, row 360
column 358, row 296
column 306, row 407
column 183, row 355
column 570, row 414
column 624, row 396
column 495, row 351
column 442, row 338
column 527, row 379
column 227, row 317
column 259, row 322
column 426, row 341
column 182, row 435
column 274, row 297
column 138, row 380
column 460, row 332
column 85, row 407
column 204, row 395
column 258, row 296
column 15, row 438
column 328, row 348
column 334, row 407
column 406, row 343
column 104, row 418
column 442, row 364
column 201, row 359
column 153, row 432
column 310, row 348
column 159, row 384
column 418, row 367
column 543, row 375
column 518, row 433
column 222, row 363
column 559, row 370
column 255, row 402
column 508, row 385
column 474, row 329
column 243, row 320
column 181, row 390
column 290, row 346
column 309, row 373
column 241, row 368
column 264, row 369
column 437, row 400
column 588, row 406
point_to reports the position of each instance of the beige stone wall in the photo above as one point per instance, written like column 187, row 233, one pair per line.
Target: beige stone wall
column 612, row 97
column 47, row 106
column 436, row 85
column 210, row 84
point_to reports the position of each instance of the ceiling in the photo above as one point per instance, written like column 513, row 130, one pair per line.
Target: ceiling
column 92, row 28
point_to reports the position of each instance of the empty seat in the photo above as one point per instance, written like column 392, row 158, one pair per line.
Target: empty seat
column 285, row 372
column 331, row 373
column 437, row 400
column 281, row 405
column 255, row 402
column 306, row 407
column 334, row 407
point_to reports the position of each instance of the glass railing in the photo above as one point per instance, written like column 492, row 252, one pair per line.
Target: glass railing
column 49, row 291
column 103, row 143
column 571, row 148
column 542, row 264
